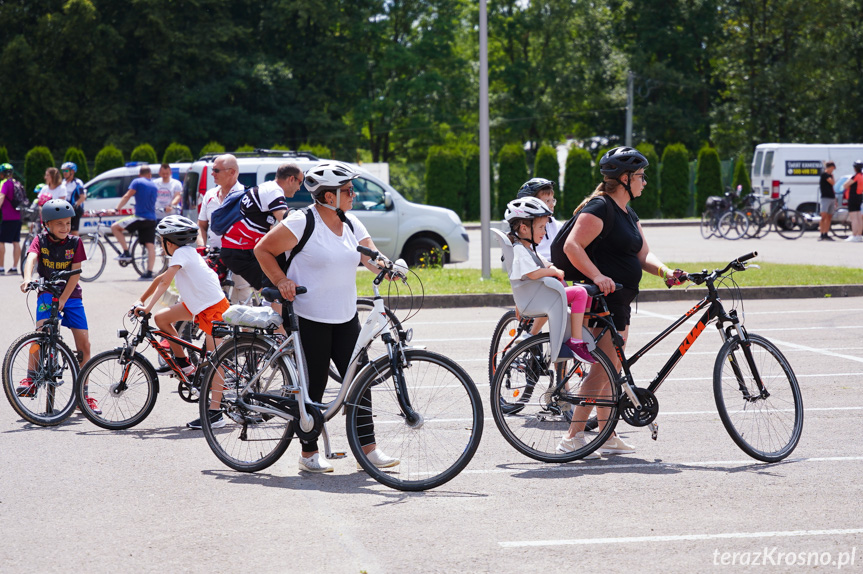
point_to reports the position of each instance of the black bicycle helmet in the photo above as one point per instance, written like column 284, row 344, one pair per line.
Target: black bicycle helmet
column 620, row 160
column 57, row 209
column 532, row 186
column 178, row 230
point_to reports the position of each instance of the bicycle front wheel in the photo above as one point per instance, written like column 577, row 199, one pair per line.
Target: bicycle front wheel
column 39, row 378
column 766, row 424
column 707, row 225
column 243, row 439
column 139, row 258
column 117, row 393
column 432, row 448
column 733, row 225
column 789, row 223
column 534, row 404
column 94, row 265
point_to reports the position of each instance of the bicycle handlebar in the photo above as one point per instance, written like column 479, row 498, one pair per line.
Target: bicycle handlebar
column 272, row 294
column 736, row 264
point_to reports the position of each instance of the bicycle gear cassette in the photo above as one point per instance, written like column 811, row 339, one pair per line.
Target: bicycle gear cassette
column 648, row 412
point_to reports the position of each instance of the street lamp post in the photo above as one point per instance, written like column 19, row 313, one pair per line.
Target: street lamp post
column 484, row 167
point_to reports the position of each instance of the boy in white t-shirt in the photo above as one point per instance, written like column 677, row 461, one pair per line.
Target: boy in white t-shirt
column 169, row 192
column 202, row 298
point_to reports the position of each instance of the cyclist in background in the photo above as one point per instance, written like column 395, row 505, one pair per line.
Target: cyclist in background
column 854, row 188
column 54, row 182
column 143, row 222
column 170, row 192
column 75, row 192
column 543, row 189
column 10, row 220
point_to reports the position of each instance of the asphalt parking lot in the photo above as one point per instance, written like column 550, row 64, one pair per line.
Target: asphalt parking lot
column 154, row 498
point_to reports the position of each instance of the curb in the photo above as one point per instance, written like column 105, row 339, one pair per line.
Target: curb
column 646, row 296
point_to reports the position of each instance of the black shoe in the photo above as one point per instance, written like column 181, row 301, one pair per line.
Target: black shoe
column 826, row 238
column 146, row 276
column 510, row 408
column 216, row 421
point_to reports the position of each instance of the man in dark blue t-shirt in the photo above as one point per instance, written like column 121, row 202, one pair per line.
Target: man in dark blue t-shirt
column 143, row 222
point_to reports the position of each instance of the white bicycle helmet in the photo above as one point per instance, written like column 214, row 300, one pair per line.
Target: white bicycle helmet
column 328, row 176
column 525, row 208
column 178, row 230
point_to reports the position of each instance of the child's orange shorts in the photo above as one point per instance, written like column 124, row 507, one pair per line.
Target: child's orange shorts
column 205, row 318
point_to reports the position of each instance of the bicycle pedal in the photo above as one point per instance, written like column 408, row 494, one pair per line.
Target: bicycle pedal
column 654, row 430
column 337, row 455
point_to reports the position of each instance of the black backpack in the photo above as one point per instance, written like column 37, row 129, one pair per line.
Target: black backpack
column 307, row 233
column 19, row 199
column 559, row 258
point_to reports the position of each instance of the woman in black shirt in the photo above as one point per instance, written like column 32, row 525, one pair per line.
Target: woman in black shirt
column 617, row 257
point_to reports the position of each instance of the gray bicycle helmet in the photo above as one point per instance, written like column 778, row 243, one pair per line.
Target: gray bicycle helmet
column 525, row 208
column 178, row 230
column 532, row 186
column 328, row 176
column 620, row 160
column 57, row 209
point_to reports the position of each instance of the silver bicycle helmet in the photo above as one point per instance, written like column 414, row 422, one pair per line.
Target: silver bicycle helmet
column 525, row 208
column 57, row 209
column 178, row 230
column 328, row 176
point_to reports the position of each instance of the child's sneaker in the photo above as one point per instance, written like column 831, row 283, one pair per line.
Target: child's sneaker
column 580, row 349
column 615, row 445
column 216, row 421
column 2, row 270
column 26, row 388
column 12, row 271
column 571, row 444
column 93, row 405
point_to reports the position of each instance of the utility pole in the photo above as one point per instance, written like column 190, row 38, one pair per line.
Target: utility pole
column 630, row 80
column 484, row 145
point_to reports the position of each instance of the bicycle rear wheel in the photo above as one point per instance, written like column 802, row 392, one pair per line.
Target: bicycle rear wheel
column 533, row 406
column 733, row 225
column 139, row 257
column 766, row 426
column 789, row 223
column 506, row 333
column 124, row 390
column 707, row 224
column 94, row 265
column 248, row 441
column 431, row 450
column 50, row 369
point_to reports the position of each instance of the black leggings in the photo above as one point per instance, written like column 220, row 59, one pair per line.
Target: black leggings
column 325, row 341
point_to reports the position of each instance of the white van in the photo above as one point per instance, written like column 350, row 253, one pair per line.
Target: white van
column 398, row 227
column 777, row 168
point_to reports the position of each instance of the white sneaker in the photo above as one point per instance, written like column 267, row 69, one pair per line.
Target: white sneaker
column 315, row 463
column 575, row 443
column 380, row 460
column 854, row 239
column 615, row 445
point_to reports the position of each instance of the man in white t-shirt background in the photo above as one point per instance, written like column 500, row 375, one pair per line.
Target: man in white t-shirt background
column 170, row 192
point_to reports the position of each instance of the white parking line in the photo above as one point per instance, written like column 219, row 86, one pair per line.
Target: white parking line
column 680, row 537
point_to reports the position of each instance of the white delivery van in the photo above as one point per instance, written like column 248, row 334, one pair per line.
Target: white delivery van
column 777, row 168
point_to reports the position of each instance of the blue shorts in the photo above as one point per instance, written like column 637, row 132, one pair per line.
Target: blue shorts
column 72, row 315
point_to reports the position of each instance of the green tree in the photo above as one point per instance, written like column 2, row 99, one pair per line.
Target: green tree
column 471, row 182
column 648, row 204
column 674, row 201
column 511, row 174
column 445, row 178
column 708, row 177
column 144, row 153
column 37, row 160
column 741, row 176
column 578, row 179
column 212, row 147
column 109, row 157
column 76, row 156
column 546, row 165
column 175, row 153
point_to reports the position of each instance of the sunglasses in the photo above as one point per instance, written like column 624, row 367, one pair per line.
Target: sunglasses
column 643, row 177
column 220, row 170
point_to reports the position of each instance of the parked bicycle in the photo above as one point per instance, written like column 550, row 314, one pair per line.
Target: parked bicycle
column 422, row 407
column 722, row 218
column 774, row 214
column 755, row 389
column 39, row 369
column 94, row 246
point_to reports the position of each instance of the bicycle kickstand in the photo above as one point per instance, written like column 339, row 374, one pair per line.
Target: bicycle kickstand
column 654, row 430
column 327, row 452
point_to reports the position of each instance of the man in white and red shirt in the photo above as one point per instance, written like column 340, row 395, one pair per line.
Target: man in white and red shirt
column 261, row 208
column 225, row 174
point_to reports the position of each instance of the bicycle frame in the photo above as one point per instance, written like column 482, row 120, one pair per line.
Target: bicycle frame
column 150, row 335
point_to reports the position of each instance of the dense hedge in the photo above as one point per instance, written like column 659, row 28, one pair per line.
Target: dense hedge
column 546, row 165
column 708, row 177
column 212, row 147
column 470, row 153
column 4, row 155
column 445, row 178
column 36, row 162
column 321, row 151
column 578, row 180
column 674, row 201
column 512, row 173
column 741, row 176
column 176, row 153
column 647, row 205
column 77, row 157
column 245, row 148
column 108, row 157
column 144, row 153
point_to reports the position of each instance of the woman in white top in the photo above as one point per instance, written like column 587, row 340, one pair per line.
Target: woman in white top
column 54, row 181
column 326, row 266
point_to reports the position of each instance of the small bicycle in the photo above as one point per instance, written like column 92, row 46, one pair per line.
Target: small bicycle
column 94, row 246
column 39, row 369
column 755, row 388
column 421, row 407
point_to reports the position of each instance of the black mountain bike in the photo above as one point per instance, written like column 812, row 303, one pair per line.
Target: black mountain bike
column 754, row 386
column 39, row 369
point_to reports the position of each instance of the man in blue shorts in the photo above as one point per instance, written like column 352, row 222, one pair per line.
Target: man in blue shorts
column 143, row 222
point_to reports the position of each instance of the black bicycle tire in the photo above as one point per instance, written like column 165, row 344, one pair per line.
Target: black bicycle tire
column 157, row 269
column 493, row 350
column 224, row 351
column 95, row 237
column 9, row 383
column 706, row 228
column 515, row 442
column 840, row 229
column 395, row 326
column 740, row 216
column 382, row 368
column 795, row 216
column 152, row 386
column 728, row 423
